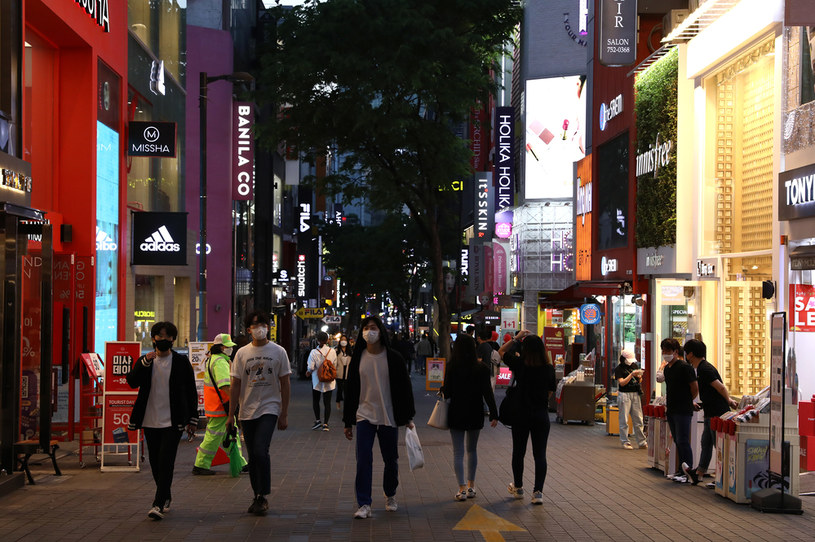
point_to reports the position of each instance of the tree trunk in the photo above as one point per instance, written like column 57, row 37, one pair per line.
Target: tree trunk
column 443, row 340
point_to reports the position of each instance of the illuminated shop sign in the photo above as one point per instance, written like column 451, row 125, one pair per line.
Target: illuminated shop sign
column 464, row 265
column 618, row 32
column 159, row 238
column 504, row 158
column 608, row 265
column 658, row 155
column 608, row 112
column 583, row 200
column 243, row 151
column 483, row 215
column 796, row 189
column 705, row 269
column 151, row 139
column 144, row 314
column 301, row 275
column 98, row 11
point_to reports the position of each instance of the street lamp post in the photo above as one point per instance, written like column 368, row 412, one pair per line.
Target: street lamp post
column 204, row 80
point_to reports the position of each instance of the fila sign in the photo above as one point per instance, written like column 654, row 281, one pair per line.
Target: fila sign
column 159, row 239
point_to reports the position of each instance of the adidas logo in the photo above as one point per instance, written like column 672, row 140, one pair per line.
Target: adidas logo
column 160, row 241
column 104, row 242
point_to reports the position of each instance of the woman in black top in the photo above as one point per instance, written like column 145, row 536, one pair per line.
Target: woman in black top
column 467, row 384
column 343, row 359
column 535, row 378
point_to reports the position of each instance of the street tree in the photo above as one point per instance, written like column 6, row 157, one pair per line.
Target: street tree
column 387, row 82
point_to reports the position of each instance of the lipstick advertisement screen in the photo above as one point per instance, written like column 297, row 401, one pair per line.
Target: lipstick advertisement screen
column 555, row 135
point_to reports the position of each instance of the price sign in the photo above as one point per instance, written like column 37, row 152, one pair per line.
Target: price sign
column 121, row 356
column 117, row 416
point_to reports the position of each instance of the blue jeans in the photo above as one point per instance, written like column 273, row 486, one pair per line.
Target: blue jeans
column 258, row 436
column 388, row 440
column 680, row 429
column 458, row 453
column 708, row 442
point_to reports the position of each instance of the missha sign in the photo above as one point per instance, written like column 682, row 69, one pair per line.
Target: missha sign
column 98, row 11
column 618, row 32
column 796, row 193
column 151, row 139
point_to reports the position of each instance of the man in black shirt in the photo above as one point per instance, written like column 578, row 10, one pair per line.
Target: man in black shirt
column 680, row 389
column 715, row 402
column 629, row 377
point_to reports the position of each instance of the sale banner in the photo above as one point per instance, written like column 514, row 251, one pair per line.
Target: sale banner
column 118, row 407
column 802, row 307
column 504, row 377
column 120, row 357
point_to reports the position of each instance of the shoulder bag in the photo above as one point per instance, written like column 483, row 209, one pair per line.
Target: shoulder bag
column 438, row 418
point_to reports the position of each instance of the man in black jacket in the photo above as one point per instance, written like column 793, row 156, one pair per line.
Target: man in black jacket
column 378, row 399
column 166, row 403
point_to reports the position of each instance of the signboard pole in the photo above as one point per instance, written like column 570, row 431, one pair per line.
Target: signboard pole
column 771, row 499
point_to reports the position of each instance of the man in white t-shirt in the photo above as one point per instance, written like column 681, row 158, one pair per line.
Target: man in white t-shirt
column 261, row 385
column 323, row 390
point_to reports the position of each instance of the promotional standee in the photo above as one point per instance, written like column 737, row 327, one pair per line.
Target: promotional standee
column 434, row 371
column 119, row 398
column 198, row 358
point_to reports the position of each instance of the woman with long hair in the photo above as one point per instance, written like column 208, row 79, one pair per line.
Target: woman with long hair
column 534, row 376
column 467, row 385
column 343, row 359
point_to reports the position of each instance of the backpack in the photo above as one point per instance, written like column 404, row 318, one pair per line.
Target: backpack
column 495, row 361
column 327, row 372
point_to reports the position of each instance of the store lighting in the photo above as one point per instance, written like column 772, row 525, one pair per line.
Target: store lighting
column 324, row 328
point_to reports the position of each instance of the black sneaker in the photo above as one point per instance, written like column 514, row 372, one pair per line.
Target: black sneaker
column 318, row 425
column 690, row 473
column 198, row 471
column 245, row 469
column 262, row 506
column 254, row 507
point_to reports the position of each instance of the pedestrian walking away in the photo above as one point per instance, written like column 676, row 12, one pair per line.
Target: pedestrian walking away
column 535, row 378
column 261, row 386
column 424, row 350
column 321, row 389
column 467, row 386
column 715, row 400
column 629, row 399
column 680, row 389
column 216, row 404
column 378, row 400
column 167, row 402
column 343, row 359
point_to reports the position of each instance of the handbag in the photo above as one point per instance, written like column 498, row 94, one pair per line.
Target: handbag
column 511, row 407
column 438, row 418
column 414, row 449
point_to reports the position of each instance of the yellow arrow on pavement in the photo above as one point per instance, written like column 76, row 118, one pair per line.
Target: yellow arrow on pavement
column 490, row 525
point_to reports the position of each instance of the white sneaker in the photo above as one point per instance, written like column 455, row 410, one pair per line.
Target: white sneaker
column 155, row 513
column 537, row 497
column 627, row 446
column 364, row 512
column 390, row 504
column 517, row 492
column 682, row 479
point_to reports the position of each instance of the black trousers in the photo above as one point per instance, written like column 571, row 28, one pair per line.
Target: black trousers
column 537, row 426
column 162, row 445
column 315, row 402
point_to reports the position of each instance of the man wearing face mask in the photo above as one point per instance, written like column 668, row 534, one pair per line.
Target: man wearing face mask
column 166, row 403
column 261, row 385
column 681, row 387
column 629, row 378
column 378, row 399
column 216, row 404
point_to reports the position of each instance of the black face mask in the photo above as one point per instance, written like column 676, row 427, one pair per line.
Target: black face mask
column 163, row 345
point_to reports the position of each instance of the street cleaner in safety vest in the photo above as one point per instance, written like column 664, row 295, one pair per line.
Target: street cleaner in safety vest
column 216, row 404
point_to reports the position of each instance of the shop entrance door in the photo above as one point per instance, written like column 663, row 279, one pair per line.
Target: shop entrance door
column 26, row 381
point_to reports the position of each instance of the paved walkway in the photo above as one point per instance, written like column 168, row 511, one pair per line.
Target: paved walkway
column 595, row 490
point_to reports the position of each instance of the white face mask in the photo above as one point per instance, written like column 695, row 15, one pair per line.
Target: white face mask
column 228, row 351
column 259, row 333
column 628, row 361
column 371, row 336
column 343, row 343
column 667, row 357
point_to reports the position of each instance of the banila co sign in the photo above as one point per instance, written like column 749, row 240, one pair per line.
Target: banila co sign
column 618, row 32
column 151, row 139
column 796, row 193
column 159, row 239
column 243, row 151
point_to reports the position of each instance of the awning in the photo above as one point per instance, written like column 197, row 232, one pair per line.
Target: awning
column 576, row 294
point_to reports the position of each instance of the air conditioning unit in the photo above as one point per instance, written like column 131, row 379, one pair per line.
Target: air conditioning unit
column 672, row 19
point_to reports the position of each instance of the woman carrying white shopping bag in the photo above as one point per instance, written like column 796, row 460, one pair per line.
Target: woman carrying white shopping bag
column 467, row 385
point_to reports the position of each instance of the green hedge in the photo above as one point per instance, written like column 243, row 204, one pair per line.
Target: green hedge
column 655, row 105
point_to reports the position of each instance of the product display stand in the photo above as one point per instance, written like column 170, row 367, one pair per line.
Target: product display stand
column 90, row 405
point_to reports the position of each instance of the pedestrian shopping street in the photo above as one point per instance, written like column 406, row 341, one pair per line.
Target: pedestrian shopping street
column 595, row 490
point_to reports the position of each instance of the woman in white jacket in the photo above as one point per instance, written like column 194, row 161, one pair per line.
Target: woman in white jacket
column 321, row 389
column 343, row 359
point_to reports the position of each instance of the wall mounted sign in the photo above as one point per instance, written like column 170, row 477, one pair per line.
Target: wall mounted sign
column 608, row 265
column 98, row 10
column 658, row 155
column 159, row 239
column 151, row 139
column 243, row 151
column 590, row 314
column 618, row 32
column 705, row 269
column 796, row 193
column 608, row 112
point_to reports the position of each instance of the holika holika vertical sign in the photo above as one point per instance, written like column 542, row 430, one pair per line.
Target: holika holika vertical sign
column 618, row 32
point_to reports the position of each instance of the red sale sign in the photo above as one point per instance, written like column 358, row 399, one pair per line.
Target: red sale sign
column 504, row 377
column 802, row 307
column 117, row 416
column 119, row 358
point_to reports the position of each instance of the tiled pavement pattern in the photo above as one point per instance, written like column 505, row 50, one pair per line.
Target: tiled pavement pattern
column 595, row 490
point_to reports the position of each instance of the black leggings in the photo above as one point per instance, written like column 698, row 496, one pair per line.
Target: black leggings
column 315, row 402
column 538, row 427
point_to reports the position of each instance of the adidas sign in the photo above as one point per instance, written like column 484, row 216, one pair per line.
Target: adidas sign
column 160, row 241
column 104, row 242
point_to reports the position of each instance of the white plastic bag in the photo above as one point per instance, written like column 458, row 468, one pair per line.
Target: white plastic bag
column 414, row 449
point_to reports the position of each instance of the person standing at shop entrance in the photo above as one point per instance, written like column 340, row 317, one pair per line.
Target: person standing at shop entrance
column 715, row 401
column 680, row 389
column 167, row 403
column 629, row 378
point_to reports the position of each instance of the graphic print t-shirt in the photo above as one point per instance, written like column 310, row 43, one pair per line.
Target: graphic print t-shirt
column 259, row 369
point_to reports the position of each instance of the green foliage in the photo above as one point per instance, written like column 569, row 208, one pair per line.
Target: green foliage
column 655, row 103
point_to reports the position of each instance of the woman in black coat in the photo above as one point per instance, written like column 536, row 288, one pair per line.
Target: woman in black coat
column 467, row 385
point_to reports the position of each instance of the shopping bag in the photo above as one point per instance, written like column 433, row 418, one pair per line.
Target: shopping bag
column 438, row 418
column 414, row 449
column 236, row 460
